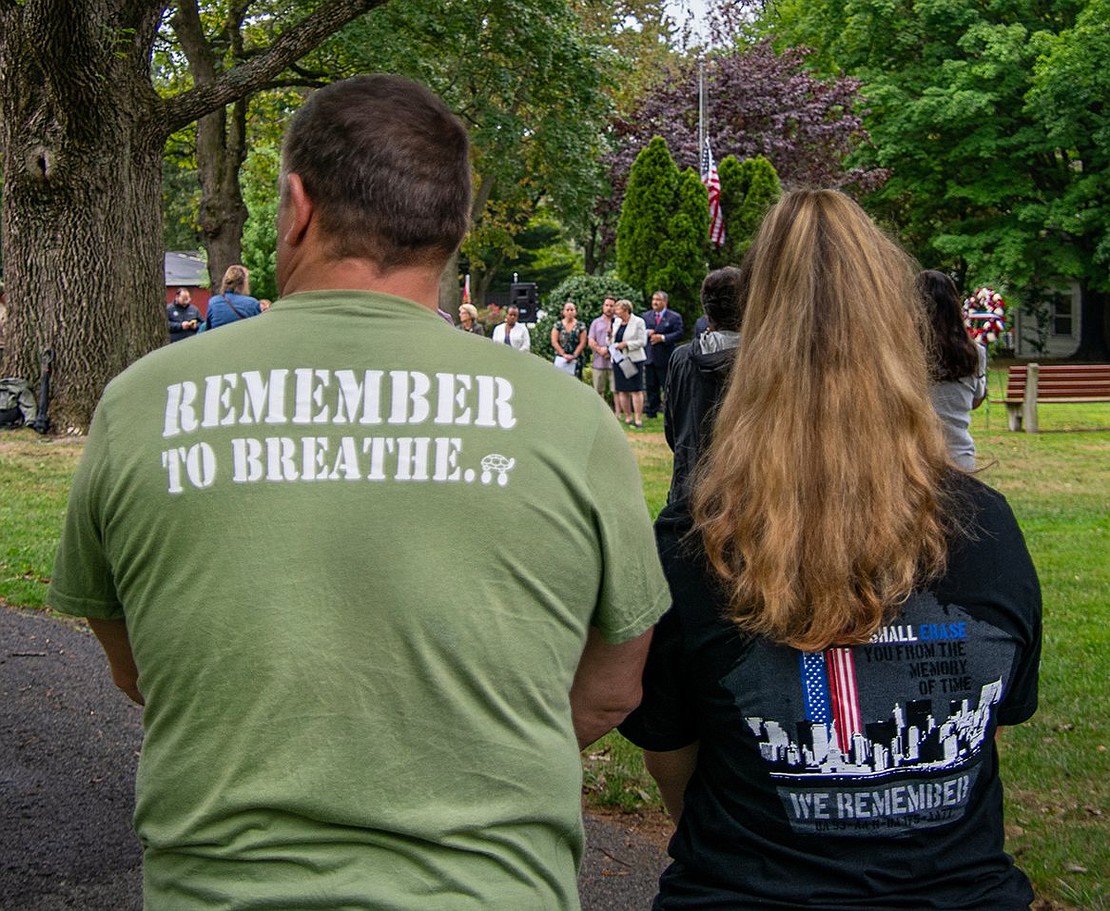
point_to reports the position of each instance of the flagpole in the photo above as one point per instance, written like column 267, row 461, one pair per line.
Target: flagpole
column 701, row 109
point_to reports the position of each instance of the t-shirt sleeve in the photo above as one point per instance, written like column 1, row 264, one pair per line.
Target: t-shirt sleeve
column 633, row 592
column 82, row 583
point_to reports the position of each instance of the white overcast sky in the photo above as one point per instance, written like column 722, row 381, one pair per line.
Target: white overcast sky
column 683, row 10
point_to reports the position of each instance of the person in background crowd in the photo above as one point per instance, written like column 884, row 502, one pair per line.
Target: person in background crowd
column 853, row 617
column 512, row 332
column 630, row 339
column 183, row 317
column 333, row 720
column 234, row 302
column 957, row 366
column 568, row 338
column 698, row 373
column 468, row 320
column 664, row 331
column 601, row 330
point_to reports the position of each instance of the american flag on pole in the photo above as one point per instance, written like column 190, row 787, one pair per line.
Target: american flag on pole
column 466, row 289
column 712, row 182
column 830, row 693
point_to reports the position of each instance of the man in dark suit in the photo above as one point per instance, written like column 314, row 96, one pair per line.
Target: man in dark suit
column 664, row 328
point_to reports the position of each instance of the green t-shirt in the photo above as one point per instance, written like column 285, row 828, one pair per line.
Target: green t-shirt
column 358, row 553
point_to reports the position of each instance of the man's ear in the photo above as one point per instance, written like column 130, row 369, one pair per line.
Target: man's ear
column 299, row 211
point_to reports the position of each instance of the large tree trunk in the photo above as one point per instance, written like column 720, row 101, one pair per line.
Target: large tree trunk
column 450, row 293
column 81, row 210
column 221, row 151
column 221, row 140
column 81, row 138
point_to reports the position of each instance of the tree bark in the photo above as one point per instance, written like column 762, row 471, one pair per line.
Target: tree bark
column 81, row 138
column 450, row 295
column 221, row 141
column 82, row 145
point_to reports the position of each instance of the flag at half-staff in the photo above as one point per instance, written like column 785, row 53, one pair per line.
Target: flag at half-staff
column 712, row 182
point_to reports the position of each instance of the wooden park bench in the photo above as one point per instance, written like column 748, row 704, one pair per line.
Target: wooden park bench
column 1028, row 385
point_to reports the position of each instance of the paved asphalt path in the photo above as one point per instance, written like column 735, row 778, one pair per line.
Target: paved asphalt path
column 69, row 743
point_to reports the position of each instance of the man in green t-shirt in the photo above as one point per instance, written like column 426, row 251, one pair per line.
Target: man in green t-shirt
column 375, row 581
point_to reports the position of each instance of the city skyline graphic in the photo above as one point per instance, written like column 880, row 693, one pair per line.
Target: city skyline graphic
column 912, row 737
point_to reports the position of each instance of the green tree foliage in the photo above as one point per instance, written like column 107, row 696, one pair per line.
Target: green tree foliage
column 663, row 229
column 180, row 192
column 986, row 117
column 648, row 204
column 530, row 83
column 542, row 254
column 1071, row 85
column 260, row 173
column 680, row 264
column 748, row 189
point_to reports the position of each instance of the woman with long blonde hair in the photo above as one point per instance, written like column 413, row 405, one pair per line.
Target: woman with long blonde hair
column 853, row 617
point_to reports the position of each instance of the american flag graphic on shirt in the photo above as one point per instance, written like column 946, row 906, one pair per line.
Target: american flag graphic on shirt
column 830, row 693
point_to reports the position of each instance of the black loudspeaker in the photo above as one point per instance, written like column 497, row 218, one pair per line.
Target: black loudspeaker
column 525, row 297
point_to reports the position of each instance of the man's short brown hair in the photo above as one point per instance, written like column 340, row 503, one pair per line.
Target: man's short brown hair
column 387, row 167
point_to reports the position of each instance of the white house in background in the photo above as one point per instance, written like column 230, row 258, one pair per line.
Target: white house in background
column 1061, row 326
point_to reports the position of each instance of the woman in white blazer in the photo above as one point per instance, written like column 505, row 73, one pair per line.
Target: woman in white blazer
column 629, row 338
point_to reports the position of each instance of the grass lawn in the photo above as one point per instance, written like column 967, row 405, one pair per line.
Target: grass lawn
column 1056, row 767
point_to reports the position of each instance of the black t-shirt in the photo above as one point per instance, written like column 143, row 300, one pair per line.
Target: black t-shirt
column 861, row 777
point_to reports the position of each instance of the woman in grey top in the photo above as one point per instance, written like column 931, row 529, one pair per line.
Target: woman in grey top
column 958, row 369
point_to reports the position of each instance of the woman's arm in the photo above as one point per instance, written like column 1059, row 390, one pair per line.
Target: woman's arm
column 979, row 393
column 581, row 343
column 555, row 341
column 671, row 771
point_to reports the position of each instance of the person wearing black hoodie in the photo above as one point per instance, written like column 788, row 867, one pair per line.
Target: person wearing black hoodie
column 698, row 374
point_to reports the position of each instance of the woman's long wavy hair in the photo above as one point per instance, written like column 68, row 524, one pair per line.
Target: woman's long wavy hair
column 819, row 501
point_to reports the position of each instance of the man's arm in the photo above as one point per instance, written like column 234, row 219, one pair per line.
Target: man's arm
column 671, row 771
column 676, row 330
column 175, row 324
column 113, row 639
column 606, row 685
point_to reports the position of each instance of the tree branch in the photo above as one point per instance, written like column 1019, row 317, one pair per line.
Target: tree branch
column 289, row 46
column 189, row 31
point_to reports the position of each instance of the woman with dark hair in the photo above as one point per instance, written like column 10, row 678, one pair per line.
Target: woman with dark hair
column 957, row 367
column 852, row 618
column 568, row 338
